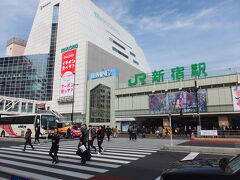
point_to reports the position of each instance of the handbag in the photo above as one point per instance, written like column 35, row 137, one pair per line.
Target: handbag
column 78, row 152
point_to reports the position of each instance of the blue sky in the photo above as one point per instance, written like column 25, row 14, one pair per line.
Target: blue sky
column 171, row 32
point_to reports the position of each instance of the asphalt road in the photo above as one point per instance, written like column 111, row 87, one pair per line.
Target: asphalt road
column 148, row 167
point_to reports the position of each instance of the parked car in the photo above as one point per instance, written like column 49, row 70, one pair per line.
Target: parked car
column 204, row 169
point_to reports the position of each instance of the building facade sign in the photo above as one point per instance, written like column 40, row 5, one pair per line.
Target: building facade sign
column 68, row 73
column 45, row 5
column 236, row 98
column 75, row 46
column 106, row 23
column 103, row 74
column 177, row 73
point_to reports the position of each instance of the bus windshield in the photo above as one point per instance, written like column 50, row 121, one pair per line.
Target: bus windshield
column 48, row 122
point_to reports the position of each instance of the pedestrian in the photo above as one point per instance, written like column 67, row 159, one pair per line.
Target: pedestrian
column 100, row 137
column 84, row 134
column 28, row 139
column 130, row 132
column 91, row 134
column 82, row 152
column 37, row 133
column 115, row 132
column 55, row 147
column 108, row 131
column 68, row 133
column 134, row 133
column 144, row 131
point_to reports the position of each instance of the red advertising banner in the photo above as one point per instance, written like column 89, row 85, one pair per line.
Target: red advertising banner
column 67, row 73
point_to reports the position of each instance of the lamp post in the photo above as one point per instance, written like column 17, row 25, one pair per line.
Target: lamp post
column 198, row 112
column 195, row 91
column 73, row 98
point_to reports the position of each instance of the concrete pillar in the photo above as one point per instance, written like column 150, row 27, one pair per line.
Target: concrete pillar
column 166, row 122
column 223, row 121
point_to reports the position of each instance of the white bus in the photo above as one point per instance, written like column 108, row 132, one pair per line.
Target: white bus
column 16, row 126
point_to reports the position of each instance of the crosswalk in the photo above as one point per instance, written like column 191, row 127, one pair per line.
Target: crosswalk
column 37, row 164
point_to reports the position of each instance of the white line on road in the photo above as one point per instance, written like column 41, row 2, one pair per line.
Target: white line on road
column 48, row 169
column 25, row 174
column 46, row 156
column 190, row 156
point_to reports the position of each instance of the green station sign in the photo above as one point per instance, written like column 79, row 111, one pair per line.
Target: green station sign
column 177, row 73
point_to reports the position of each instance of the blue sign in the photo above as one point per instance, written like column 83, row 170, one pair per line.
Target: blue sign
column 22, row 126
column 103, row 74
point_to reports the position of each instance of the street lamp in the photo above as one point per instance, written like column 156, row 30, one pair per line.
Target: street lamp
column 195, row 91
column 73, row 97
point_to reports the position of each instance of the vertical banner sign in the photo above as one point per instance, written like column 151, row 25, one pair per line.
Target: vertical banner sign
column 236, row 98
column 67, row 73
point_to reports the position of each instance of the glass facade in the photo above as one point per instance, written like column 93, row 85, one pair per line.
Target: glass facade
column 30, row 77
column 100, row 104
column 26, row 77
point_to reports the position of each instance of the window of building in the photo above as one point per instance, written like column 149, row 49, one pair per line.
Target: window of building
column 99, row 106
column 119, row 52
column 118, row 44
column 136, row 62
column 132, row 54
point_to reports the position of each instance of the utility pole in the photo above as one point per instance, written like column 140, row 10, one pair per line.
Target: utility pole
column 198, row 112
column 73, row 98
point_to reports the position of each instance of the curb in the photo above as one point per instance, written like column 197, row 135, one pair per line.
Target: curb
column 211, row 150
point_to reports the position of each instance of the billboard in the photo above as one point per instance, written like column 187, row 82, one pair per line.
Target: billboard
column 68, row 73
column 176, row 102
column 236, row 98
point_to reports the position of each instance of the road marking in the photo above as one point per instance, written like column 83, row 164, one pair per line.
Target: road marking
column 25, row 174
column 190, row 156
column 48, row 169
column 59, row 165
column 95, row 155
column 62, row 159
column 74, row 156
column 158, row 178
column 105, row 153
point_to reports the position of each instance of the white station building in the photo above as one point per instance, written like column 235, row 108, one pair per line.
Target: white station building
column 77, row 39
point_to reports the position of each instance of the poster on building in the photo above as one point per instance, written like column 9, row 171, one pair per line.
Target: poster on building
column 67, row 73
column 175, row 102
column 236, row 98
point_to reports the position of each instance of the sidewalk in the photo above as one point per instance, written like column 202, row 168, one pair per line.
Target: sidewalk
column 208, row 145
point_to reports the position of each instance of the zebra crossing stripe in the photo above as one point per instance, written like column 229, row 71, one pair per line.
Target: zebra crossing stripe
column 48, row 169
column 25, row 174
column 105, row 153
column 61, row 164
column 107, row 147
column 62, row 159
column 106, row 156
column 74, row 156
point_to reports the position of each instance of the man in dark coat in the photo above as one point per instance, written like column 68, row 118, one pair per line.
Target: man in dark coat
column 108, row 131
column 28, row 139
column 55, row 147
column 91, row 135
column 37, row 135
column 100, row 136
column 84, row 134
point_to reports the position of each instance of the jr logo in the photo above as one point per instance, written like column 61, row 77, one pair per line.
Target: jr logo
column 142, row 77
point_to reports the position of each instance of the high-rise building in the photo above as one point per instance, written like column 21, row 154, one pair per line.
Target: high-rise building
column 15, row 47
column 76, row 38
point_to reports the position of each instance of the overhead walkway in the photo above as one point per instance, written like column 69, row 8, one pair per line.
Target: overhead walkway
column 19, row 106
